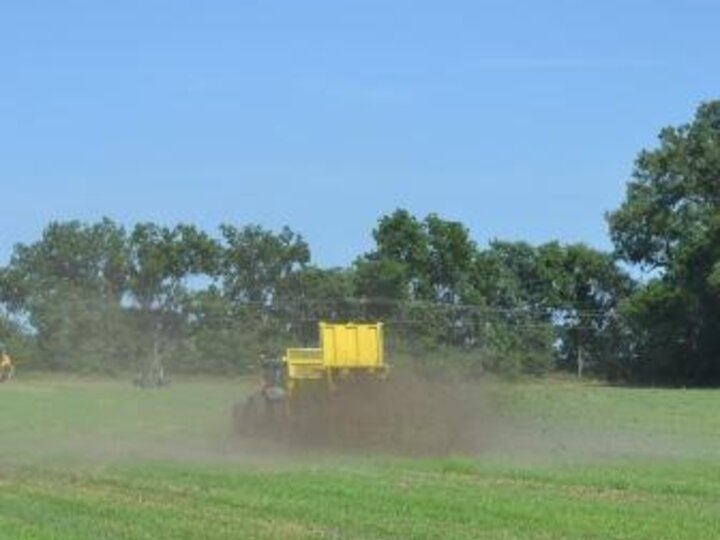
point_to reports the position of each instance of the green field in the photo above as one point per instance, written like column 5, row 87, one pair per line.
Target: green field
column 97, row 459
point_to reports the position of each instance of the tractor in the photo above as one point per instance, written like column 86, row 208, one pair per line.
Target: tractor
column 328, row 388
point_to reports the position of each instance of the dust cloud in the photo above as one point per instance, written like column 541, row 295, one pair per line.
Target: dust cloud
column 405, row 415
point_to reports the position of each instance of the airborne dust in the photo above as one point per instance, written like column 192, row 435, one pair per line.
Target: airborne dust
column 405, row 415
column 56, row 421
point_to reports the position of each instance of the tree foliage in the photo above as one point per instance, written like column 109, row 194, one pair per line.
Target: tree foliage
column 255, row 260
column 670, row 224
column 97, row 297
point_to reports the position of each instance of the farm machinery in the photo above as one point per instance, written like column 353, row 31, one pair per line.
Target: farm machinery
column 324, row 388
column 340, row 394
column 7, row 368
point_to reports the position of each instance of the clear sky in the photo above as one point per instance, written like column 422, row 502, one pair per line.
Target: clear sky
column 519, row 118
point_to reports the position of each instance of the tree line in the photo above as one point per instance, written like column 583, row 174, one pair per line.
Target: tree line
column 103, row 297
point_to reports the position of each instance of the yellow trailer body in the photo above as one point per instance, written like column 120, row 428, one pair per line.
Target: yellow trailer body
column 351, row 345
column 347, row 351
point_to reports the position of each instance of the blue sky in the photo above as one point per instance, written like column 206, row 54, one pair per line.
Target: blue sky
column 519, row 118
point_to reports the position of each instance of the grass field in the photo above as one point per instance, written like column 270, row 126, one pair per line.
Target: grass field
column 96, row 459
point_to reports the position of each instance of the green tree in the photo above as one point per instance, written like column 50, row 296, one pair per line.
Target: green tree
column 68, row 286
column 584, row 291
column 450, row 257
column 428, row 260
column 313, row 294
column 562, row 298
column 161, row 262
column 220, row 336
column 89, row 257
column 255, row 261
column 507, row 275
column 382, row 284
column 669, row 224
column 161, row 259
column 513, row 321
column 316, row 293
column 402, row 239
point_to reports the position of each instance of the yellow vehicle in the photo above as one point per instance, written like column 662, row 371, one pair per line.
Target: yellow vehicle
column 7, row 369
column 347, row 352
column 350, row 358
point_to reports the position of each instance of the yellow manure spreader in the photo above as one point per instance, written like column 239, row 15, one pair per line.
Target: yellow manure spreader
column 328, row 389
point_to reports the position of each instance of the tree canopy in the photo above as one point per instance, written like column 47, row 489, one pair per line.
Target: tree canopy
column 670, row 224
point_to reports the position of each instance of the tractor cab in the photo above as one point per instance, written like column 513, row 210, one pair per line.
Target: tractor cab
column 273, row 377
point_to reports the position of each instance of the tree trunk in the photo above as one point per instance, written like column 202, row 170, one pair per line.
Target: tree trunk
column 580, row 363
